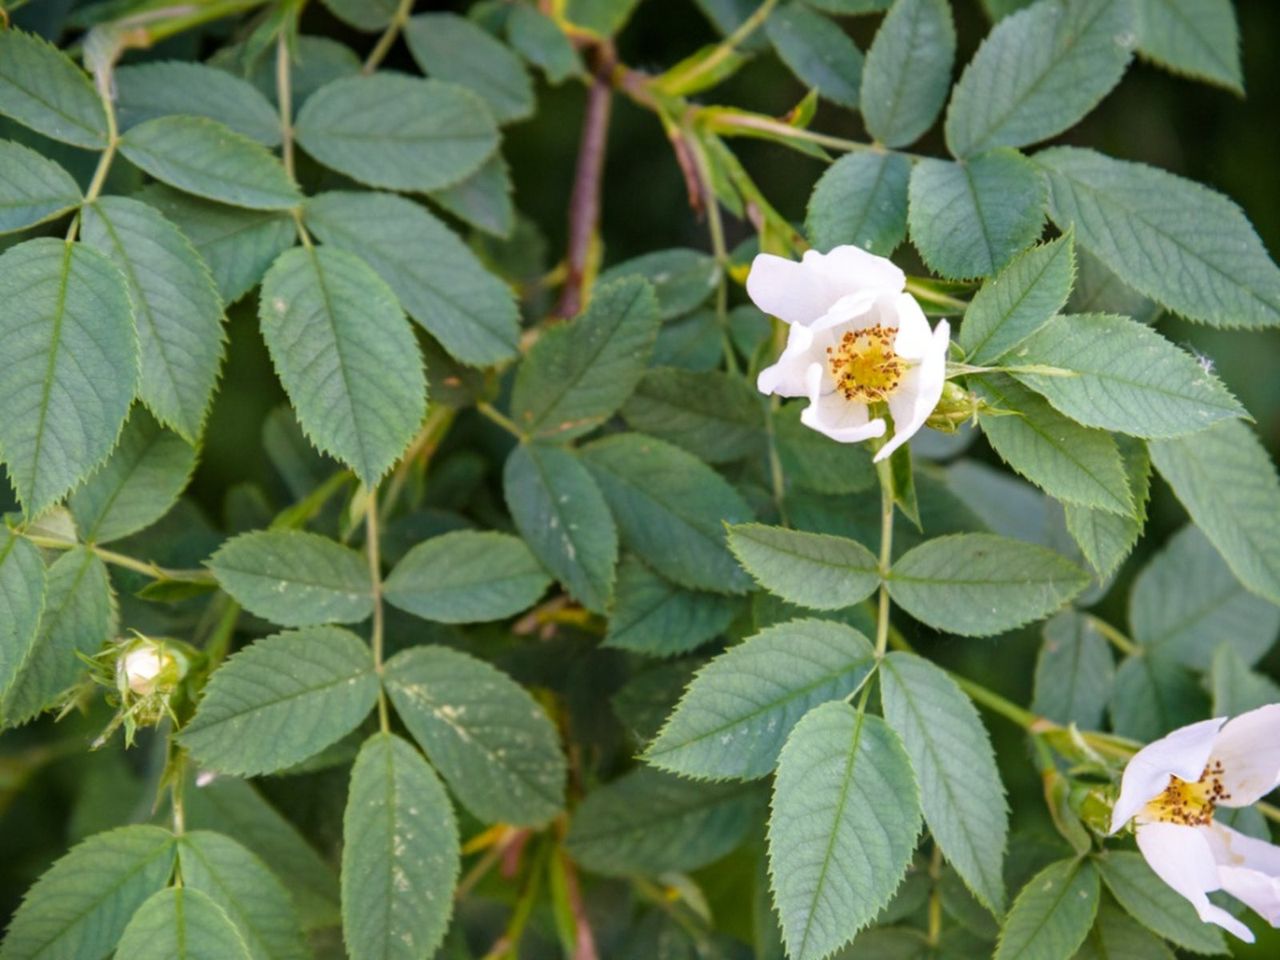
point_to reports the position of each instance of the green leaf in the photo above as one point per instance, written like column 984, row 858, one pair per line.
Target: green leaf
column 969, row 218
column 562, row 516
column 671, row 509
column 80, row 906
column 846, row 813
column 651, row 615
column 817, row 51
column 1235, row 688
column 22, row 589
column 1052, row 914
column 908, row 71
column 811, row 461
column 1155, row 904
column 713, row 414
column 367, row 15
column 813, row 570
column 861, row 199
column 483, row 199
column 540, row 41
column 145, row 475
column 1179, row 243
column 79, row 616
column 602, row 17
column 579, row 373
column 681, row 278
column 207, row 158
column 452, row 48
column 400, row 855
column 1115, row 935
column 648, row 822
column 1228, row 484
column 1153, row 695
column 238, row 245
column 1186, row 603
column 1195, row 38
column 1099, row 290
column 1074, row 672
column 281, row 700
column 42, row 89
column 182, row 924
column 1018, row 301
column 1117, row 374
column 978, row 584
column 71, row 365
column 492, row 742
column 1071, row 463
column 294, row 578
column 145, row 91
column 397, row 132
column 467, row 577
column 1105, row 539
column 960, row 789
column 740, row 708
column 243, row 888
column 34, row 189
column 1038, row 73
column 176, row 307
column 440, row 282
column 345, row 355
column 234, row 808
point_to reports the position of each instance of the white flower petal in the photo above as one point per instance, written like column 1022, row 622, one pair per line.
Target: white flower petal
column 920, row 391
column 787, row 377
column 1248, row 869
column 1249, row 748
column 1181, row 857
column 854, row 269
column 788, row 290
column 840, row 419
column 1182, row 754
column 1258, row 891
column 914, row 336
column 850, row 312
column 802, row 292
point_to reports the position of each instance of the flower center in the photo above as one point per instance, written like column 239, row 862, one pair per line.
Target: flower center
column 864, row 365
column 1189, row 804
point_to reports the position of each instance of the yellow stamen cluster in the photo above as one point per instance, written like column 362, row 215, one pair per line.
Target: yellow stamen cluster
column 864, row 365
column 1190, row 804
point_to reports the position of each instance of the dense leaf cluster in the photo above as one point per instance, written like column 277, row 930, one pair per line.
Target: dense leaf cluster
column 553, row 634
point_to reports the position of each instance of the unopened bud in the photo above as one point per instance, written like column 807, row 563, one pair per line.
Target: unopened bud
column 956, row 406
column 149, row 667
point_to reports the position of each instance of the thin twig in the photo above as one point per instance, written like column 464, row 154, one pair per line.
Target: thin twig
column 584, row 204
column 388, row 38
column 374, row 550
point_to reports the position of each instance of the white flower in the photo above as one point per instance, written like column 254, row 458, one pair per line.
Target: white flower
column 1170, row 790
column 856, row 339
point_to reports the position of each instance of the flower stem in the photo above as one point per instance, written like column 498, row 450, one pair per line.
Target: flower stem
column 284, row 96
column 885, row 475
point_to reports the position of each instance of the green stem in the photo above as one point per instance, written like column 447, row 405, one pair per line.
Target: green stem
column 730, row 44
column 776, row 475
column 491, row 412
column 1115, row 637
column 143, row 567
column 296, row 516
column 284, row 96
column 103, row 83
column 715, row 226
column 922, row 291
column 383, row 46
column 885, row 475
column 423, row 447
column 374, row 550
column 219, row 640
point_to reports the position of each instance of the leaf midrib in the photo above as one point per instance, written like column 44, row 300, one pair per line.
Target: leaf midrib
column 46, row 385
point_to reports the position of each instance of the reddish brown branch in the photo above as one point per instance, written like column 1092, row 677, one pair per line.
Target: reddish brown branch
column 584, row 205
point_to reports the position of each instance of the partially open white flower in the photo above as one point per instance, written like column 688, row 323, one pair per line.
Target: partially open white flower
column 856, row 339
column 1170, row 790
